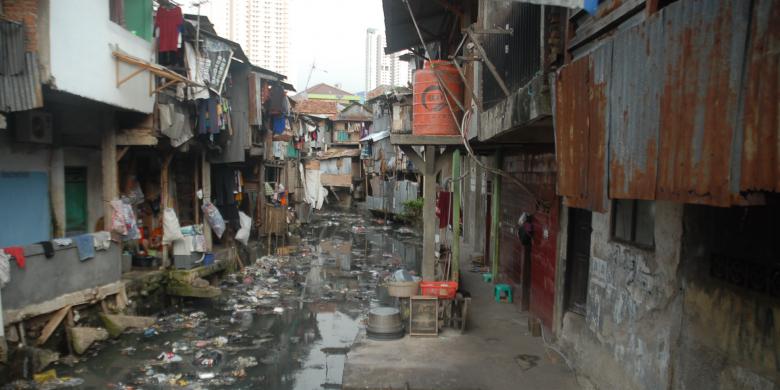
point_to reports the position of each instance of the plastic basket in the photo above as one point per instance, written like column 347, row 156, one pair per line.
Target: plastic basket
column 441, row 290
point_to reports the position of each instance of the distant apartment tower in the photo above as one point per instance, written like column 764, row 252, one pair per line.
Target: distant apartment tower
column 381, row 68
column 261, row 27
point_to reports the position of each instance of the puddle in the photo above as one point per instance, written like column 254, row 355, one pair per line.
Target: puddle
column 286, row 324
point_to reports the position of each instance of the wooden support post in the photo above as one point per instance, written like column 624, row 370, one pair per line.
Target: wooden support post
column 456, row 188
column 495, row 220
column 206, row 178
column 109, row 170
column 196, row 180
column 165, row 201
column 429, row 213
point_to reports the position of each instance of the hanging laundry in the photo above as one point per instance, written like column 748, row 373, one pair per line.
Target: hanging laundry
column 85, row 245
column 207, row 116
column 279, row 123
column 62, row 241
column 5, row 269
column 277, row 100
column 48, row 249
column 169, row 22
column 175, row 123
column 17, row 253
column 101, row 240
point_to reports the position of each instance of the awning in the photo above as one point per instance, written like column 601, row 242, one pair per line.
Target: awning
column 376, row 136
column 169, row 77
column 435, row 22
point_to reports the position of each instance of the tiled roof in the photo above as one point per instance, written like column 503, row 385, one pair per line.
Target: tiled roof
column 316, row 107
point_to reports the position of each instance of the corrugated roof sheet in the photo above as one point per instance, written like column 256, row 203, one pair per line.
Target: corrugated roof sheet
column 760, row 165
column 20, row 83
column 662, row 101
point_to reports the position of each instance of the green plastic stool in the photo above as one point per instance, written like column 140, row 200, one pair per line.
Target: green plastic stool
column 487, row 277
column 503, row 288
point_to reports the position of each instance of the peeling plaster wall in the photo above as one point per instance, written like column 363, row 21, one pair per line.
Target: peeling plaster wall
column 632, row 307
column 661, row 320
column 730, row 336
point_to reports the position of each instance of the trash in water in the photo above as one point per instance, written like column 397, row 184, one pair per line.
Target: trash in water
column 169, row 357
column 206, row 375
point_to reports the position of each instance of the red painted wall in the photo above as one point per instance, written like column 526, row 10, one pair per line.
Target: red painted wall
column 536, row 170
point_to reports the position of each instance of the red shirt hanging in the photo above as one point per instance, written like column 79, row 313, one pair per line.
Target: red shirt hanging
column 169, row 22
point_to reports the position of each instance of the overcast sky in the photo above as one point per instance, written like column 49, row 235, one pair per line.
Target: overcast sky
column 331, row 33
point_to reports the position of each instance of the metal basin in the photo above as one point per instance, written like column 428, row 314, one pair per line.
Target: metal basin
column 384, row 323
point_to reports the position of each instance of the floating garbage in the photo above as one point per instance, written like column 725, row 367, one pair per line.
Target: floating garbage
column 309, row 293
column 169, row 357
column 206, row 375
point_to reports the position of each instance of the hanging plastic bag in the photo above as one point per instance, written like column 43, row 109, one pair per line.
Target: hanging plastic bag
column 130, row 223
column 118, row 224
column 171, row 227
column 242, row 235
column 134, row 193
column 214, row 218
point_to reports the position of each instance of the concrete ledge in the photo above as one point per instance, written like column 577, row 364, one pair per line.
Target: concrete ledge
column 90, row 295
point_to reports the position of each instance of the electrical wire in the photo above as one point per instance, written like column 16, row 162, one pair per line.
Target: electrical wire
column 466, row 143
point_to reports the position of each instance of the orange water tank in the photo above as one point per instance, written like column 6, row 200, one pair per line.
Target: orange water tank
column 431, row 114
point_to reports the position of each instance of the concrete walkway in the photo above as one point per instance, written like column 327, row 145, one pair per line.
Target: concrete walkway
column 496, row 352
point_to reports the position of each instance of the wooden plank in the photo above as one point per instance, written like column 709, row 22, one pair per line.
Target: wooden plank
column 330, row 180
column 590, row 30
column 205, row 172
column 52, row 325
column 411, row 139
column 193, row 292
column 109, row 169
column 90, row 295
column 165, row 200
column 136, row 137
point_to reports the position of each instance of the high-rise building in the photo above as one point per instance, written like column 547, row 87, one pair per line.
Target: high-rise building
column 261, row 27
column 381, row 68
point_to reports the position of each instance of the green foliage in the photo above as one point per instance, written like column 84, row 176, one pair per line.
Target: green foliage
column 413, row 210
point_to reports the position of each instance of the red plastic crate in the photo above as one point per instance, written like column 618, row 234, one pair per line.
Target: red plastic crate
column 441, row 290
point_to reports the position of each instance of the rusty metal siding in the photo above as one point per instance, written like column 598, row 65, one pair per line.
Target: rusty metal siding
column 633, row 129
column 673, row 129
column 703, row 61
column 580, row 134
column 760, row 164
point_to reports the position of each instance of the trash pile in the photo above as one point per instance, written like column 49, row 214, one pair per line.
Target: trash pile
column 265, row 327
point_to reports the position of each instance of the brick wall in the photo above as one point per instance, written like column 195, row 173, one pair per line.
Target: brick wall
column 25, row 11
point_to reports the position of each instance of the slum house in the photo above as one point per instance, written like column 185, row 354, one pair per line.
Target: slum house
column 349, row 126
column 654, row 257
column 391, row 178
column 667, row 163
column 65, row 118
column 505, row 222
column 159, row 165
column 335, row 161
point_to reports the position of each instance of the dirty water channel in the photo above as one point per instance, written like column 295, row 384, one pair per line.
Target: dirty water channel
column 284, row 323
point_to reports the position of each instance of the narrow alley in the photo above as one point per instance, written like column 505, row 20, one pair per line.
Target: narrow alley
column 390, row 194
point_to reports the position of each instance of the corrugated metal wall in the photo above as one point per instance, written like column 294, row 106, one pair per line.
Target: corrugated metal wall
column 662, row 102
